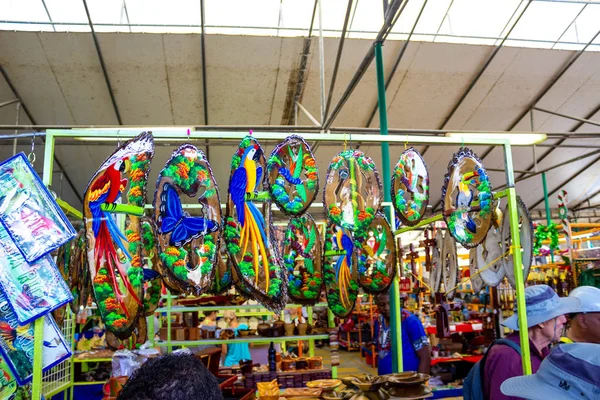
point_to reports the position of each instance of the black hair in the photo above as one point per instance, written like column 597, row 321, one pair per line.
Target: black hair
column 207, row 313
column 172, row 377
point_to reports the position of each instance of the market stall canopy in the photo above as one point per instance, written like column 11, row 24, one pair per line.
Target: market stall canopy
column 156, row 79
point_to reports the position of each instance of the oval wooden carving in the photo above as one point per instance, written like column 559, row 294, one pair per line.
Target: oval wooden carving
column 410, row 187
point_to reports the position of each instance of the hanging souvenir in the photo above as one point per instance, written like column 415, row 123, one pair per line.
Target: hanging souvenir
column 467, row 199
column 526, row 236
column 247, row 230
column 293, row 177
column 476, row 282
column 376, row 256
column 410, row 187
column 223, row 273
column 62, row 263
column 188, row 245
column 353, row 191
column 436, row 262
column 17, row 342
column 114, row 257
column 339, row 270
column 152, row 281
column 449, row 266
column 488, row 258
column 28, row 212
column 302, row 259
column 79, row 279
column 32, row 289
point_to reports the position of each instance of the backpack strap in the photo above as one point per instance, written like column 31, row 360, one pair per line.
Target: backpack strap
column 505, row 342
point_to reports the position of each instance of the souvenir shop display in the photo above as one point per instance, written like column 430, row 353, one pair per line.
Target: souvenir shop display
column 152, row 281
column 114, row 257
column 436, row 261
column 353, row 193
column 488, row 258
column 340, row 270
column 410, row 187
column 248, row 230
column 293, row 177
column 188, row 245
column 467, row 199
column 32, row 289
column 376, row 256
column 223, row 273
column 526, row 239
column 8, row 382
column 477, row 282
column 17, row 342
column 302, row 257
column 78, row 277
column 28, row 212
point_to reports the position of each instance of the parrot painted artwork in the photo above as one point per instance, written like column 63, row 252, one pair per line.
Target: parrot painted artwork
column 293, row 176
column 339, row 270
column 302, row 259
column 248, row 233
column 187, row 244
column 114, row 256
column 467, row 199
column 376, row 256
column 353, row 192
column 410, row 187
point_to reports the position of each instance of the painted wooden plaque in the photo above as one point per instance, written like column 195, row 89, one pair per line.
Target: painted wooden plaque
column 410, row 187
column 302, row 257
column 339, row 270
column 293, row 176
column 187, row 244
column 467, row 199
column 376, row 256
column 353, row 191
column 248, row 232
column 114, row 256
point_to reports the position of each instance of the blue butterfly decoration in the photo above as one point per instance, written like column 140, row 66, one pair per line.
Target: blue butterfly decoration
column 174, row 220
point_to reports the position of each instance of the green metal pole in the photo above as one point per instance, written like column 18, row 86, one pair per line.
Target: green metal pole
column 169, row 304
column 515, row 235
column 331, row 324
column 548, row 214
column 395, row 321
column 311, row 342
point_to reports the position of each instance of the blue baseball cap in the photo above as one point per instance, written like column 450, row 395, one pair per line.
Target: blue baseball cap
column 542, row 304
column 571, row 371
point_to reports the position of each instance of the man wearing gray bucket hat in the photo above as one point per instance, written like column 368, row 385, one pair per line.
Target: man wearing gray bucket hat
column 545, row 321
column 571, row 371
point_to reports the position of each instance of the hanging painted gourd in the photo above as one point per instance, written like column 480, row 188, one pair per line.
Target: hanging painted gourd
column 467, row 199
column 302, row 259
column 435, row 279
column 488, row 258
column 293, row 176
column 449, row 266
column 339, row 270
column 187, row 245
column 79, row 277
column 153, row 281
column 376, row 256
column 526, row 238
column 247, row 230
column 114, row 257
column 476, row 282
column 410, row 187
column 353, row 191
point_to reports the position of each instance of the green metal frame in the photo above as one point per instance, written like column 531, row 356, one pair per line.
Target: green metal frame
column 172, row 134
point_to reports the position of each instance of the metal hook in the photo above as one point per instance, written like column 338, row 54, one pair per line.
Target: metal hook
column 31, row 155
column 118, row 138
column 406, row 142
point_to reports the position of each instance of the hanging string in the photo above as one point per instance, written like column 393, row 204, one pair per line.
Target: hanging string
column 406, row 142
column 118, row 139
column 31, row 155
column 488, row 265
column 345, row 141
column 422, row 281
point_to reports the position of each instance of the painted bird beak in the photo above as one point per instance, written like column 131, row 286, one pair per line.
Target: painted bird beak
column 127, row 164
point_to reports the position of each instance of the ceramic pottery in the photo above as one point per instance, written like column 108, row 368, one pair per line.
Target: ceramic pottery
column 293, row 177
column 467, row 199
column 302, row 257
column 526, row 238
column 449, row 266
column 376, row 256
column 248, row 231
column 339, row 270
column 187, row 245
column 490, row 250
column 115, row 257
column 410, row 187
column 353, row 191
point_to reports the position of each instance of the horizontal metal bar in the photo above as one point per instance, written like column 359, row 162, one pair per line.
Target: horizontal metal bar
column 9, row 102
column 22, row 135
column 583, row 120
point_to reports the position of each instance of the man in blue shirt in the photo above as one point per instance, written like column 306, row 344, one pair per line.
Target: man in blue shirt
column 416, row 354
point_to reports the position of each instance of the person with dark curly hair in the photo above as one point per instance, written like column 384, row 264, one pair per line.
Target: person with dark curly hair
column 172, row 377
